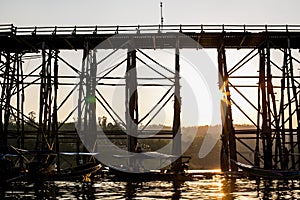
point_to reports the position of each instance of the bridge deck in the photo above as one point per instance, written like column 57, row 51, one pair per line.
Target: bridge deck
column 149, row 37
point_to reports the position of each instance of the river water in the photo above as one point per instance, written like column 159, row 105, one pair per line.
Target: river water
column 217, row 187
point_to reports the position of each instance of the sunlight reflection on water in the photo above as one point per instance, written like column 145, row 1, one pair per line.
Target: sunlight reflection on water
column 218, row 187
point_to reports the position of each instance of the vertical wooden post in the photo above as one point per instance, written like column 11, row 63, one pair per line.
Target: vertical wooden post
column 93, row 74
column 54, row 115
column 262, row 86
column 288, row 88
column 266, row 129
column 20, row 105
column 228, row 150
column 131, row 101
column 282, row 108
column 272, row 111
column 91, row 121
column 7, row 85
column 80, row 125
column 22, row 111
column 18, row 57
column 258, row 133
column 40, row 135
column 86, row 96
column 297, row 111
column 224, row 156
column 296, row 103
column 176, row 128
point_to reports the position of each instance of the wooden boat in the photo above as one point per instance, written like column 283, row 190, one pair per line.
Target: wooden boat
column 253, row 171
column 119, row 175
column 8, row 171
column 151, row 175
column 81, row 172
column 38, row 171
column 9, row 166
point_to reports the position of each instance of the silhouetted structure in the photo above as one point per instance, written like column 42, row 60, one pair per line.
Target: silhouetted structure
column 276, row 127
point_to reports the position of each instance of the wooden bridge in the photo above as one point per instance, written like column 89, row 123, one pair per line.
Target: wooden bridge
column 276, row 125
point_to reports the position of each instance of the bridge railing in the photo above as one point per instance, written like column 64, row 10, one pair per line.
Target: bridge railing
column 81, row 30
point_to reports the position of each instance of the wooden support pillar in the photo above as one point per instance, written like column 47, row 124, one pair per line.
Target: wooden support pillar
column 54, row 114
column 295, row 147
column 273, row 119
column 9, row 73
column 48, row 105
column 265, row 103
column 80, row 119
column 131, row 101
column 90, row 122
column 270, row 96
column 93, row 74
column 258, row 130
column 7, row 85
column 91, row 101
column 20, row 106
column 228, row 150
column 2, row 137
column 47, row 131
column 262, row 85
column 291, row 108
column 297, row 105
column 224, row 155
column 290, row 119
column 282, row 108
column 86, row 90
column 41, row 130
column 21, row 82
column 176, row 128
column 20, row 138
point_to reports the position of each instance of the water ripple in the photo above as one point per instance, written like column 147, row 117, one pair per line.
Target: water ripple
column 217, row 187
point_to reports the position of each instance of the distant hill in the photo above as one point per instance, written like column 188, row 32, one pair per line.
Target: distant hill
column 194, row 135
column 212, row 159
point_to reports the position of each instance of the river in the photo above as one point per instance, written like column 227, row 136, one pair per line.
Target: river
column 217, row 187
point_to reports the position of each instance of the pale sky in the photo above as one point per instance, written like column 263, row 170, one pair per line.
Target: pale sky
column 133, row 12
column 147, row 12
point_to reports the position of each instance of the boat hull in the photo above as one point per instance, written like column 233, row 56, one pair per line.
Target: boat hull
column 148, row 176
column 253, row 171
